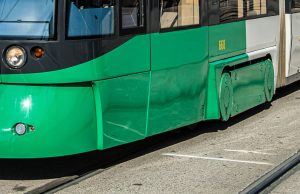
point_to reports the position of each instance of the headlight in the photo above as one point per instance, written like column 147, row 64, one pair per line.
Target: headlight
column 20, row 128
column 15, row 57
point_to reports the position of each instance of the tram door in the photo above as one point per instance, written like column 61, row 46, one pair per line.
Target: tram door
column 295, row 37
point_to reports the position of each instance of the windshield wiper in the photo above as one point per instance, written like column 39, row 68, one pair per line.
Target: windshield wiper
column 20, row 21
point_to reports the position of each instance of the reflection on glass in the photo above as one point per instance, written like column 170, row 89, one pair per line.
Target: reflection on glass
column 175, row 13
column 256, row 7
column 90, row 18
column 26, row 19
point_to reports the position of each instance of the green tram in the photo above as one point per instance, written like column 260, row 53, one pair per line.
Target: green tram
column 78, row 75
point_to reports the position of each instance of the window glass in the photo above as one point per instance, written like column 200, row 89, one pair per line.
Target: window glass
column 272, row 7
column 132, row 13
column 176, row 13
column 256, row 7
column 295, row 5
column 231, row 10
column 27, row 19
column 90, row 18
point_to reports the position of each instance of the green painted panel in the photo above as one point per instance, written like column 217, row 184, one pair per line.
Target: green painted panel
column 64, row 121
column 179, row 76
column 227, row 40
column 248, row 87
column 131, row 57
column 225, row 96
column 214, row 77
column 174, row 49
column 123, row 109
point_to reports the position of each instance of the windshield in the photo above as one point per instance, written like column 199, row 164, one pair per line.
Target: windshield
column 90, row 18
column 26, row 19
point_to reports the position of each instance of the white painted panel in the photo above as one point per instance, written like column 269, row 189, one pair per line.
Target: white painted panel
column 295, row 49
column 262, row 33
column 262, row 53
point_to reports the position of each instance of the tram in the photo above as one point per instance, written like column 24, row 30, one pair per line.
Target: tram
column 78, row 75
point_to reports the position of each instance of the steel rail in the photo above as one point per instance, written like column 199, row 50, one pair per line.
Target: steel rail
column 273, row 175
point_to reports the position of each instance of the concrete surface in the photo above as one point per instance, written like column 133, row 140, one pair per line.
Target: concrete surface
column 225, row 159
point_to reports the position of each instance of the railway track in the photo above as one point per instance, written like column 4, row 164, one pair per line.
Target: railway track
column 119, row 155
column 272, row 176
column 65, row 182
column 256, row 187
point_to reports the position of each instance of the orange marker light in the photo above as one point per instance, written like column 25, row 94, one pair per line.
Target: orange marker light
column 38, row 52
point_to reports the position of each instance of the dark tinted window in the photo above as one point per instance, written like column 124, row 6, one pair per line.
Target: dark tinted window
column 132, row 13
column 295, row 5
column 273, row 7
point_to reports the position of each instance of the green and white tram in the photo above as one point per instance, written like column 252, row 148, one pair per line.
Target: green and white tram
column 78, row 75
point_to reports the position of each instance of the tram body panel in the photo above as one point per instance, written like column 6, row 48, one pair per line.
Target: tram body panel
column 215, row 72
column 295, row 44
column 122, row 109
column 262, row 33
column 288, row 42
column 273, row 52
column 178, row 79
column 262, row 36
column 222, row 43
column 109, row 65
column 248, row 87
column 60, row 120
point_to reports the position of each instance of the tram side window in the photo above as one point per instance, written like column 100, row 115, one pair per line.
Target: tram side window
column 177, row 13
column 90, row 18
column 256, row 7
column 132, row 13
column 231, row 10
column 272, row 7
column 295, row 6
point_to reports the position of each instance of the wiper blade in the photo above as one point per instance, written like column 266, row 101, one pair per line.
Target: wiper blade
column 20, row 21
